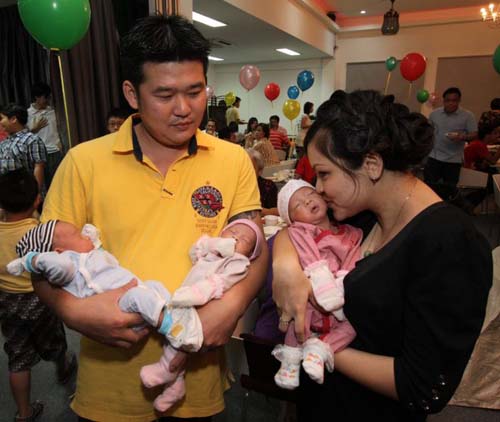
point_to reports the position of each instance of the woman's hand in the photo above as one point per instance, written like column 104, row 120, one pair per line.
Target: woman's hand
column 291, row 288
column 98, row 317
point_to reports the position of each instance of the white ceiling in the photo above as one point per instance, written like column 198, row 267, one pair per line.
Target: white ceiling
column 379, row 7
column 251, row 40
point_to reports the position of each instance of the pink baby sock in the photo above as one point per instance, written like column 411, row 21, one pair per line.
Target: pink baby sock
column 171, row 395
column 158, row 373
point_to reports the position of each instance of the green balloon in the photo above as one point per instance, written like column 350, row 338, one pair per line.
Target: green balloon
column 391, row 63
column 496, row 59
column 56, row 24
column 422, row 95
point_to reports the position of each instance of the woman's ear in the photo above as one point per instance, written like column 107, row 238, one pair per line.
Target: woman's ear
column 131, row 94
column 373, row 165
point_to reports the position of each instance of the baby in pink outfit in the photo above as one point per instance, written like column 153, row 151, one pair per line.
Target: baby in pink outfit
column 327, row 252
column 75, row 261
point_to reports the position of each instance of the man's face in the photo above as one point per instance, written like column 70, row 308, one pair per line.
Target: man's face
column 114, row 123
column 210, row 127
column 8, row 123
column 42, row 101
column 451, row 102
column 171, row 100
column 273, row 123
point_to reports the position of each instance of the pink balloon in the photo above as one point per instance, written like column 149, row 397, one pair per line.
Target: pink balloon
column 249, row 76
column 210, row 91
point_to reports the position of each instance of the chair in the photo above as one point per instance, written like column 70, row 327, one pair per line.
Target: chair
column 473, row 183
column 472, row 178
column 281, row 154
column 496, row 188
column 261, row 369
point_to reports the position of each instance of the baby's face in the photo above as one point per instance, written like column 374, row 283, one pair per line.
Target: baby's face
column 68, row 238
column 307, row 206
column 245, row 238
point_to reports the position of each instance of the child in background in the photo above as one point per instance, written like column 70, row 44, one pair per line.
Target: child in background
column 31, row 330
column 75, row 261
column 115, row 119
column 326, row 252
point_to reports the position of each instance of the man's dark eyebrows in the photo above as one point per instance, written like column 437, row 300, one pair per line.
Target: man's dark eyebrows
column 198, row 85
column 163, row 89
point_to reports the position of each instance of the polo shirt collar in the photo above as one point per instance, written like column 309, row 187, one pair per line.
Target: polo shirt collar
column 126, row 139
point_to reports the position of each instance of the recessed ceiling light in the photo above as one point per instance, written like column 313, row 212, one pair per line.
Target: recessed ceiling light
column 288, row 51
column 363, row 12
column 215, row 59
column 207, row 21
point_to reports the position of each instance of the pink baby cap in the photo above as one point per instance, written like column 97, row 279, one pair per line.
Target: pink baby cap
column 258, row 232
column 286, row 193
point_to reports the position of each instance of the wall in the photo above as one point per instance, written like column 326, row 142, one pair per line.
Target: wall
column 225, row 78
column 435, row 41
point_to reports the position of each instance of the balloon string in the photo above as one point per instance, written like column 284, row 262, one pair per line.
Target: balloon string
column 387, row 80
column 409, row 91
column 65, row 102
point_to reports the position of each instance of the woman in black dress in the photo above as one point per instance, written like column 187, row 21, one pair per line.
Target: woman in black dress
column 417, row 296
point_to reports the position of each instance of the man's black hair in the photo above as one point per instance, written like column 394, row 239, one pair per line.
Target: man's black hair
column 160, row 39
column 40, row 89
column 495, row 104
column 18, row 191
column 118, row 112
column 15, row 110
column 453, row 90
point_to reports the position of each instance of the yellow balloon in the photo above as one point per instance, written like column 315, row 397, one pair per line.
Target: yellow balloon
column 230, row 98
column 291, row 109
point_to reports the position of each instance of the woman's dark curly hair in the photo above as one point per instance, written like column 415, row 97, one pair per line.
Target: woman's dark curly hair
column 350, row 126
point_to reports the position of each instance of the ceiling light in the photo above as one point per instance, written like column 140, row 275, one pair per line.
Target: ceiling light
column 363, row 12
column 390, row 26
column 491, row 16
column 207, row 21
column 288, row 51
column 215, row 59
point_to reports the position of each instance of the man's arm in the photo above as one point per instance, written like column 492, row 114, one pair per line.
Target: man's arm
column 97, row 317
column 38, row 172
column 219, row 317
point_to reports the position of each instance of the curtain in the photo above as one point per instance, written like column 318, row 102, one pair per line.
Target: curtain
column 91, row 74
column 22, row 60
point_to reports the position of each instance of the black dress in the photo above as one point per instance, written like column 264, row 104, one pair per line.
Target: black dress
column 420, row 299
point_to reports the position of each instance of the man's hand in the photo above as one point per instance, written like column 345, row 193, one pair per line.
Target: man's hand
column 98, row 317
column 39, row 125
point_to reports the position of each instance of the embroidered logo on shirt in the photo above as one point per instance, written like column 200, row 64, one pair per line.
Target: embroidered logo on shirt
column 207, row 201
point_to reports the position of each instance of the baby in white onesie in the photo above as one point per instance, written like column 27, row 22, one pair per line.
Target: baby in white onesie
column 75, row 261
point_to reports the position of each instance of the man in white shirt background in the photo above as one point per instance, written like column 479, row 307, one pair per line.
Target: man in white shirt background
column 42, row 121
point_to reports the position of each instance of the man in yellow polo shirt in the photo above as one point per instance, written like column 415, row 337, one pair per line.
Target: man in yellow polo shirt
column 153, row 188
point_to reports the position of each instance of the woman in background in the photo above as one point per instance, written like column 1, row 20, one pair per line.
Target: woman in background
column 264, row 146
column 250, row 132
column 305, row 124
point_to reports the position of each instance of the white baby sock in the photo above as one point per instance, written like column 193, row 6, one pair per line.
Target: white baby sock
column 288, row 375
column 317, row 355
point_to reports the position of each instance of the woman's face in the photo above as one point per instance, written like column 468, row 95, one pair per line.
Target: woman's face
column 342, row 193
column 253, row 125
column 259, row 133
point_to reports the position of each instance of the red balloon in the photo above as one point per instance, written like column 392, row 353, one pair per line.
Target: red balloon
column 412, row 66
column 272, row 91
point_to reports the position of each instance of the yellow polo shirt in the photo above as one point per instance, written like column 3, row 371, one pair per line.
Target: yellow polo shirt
column 10, row 234
column 149, row 223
